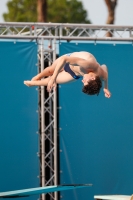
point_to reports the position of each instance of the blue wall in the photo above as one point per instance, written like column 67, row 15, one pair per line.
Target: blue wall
column 19, row 166
column 96, row 133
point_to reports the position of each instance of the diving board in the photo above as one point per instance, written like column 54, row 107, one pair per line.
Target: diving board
column 41, row 190
column 114, row 197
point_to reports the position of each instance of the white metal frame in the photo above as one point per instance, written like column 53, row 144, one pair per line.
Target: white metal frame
column 65, row 31
column 48, row 106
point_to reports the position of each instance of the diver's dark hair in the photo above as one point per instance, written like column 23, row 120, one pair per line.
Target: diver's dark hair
column 93, row 87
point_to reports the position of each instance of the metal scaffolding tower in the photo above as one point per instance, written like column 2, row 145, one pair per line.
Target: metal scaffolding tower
column 48, row 126
column 48, row 102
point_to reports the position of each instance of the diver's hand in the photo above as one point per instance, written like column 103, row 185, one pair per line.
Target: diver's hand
column 51, row 84
column 107, row 93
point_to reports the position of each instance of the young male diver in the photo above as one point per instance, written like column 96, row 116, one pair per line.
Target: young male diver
column 71, row 67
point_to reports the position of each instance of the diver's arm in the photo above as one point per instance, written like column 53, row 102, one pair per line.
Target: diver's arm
column 105, row 79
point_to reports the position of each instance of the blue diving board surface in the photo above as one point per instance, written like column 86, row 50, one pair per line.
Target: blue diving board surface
column 41, row 190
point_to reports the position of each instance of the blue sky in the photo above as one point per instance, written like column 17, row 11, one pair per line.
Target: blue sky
column 97, row 14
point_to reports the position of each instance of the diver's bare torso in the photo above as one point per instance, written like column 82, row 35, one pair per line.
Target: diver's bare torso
column 93, row 64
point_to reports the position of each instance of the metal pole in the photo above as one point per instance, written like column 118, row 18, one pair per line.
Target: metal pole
column 55, row 128
column 42, row 122
column 50, row 117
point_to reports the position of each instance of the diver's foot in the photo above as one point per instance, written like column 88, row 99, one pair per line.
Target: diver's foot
column 28, row 83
